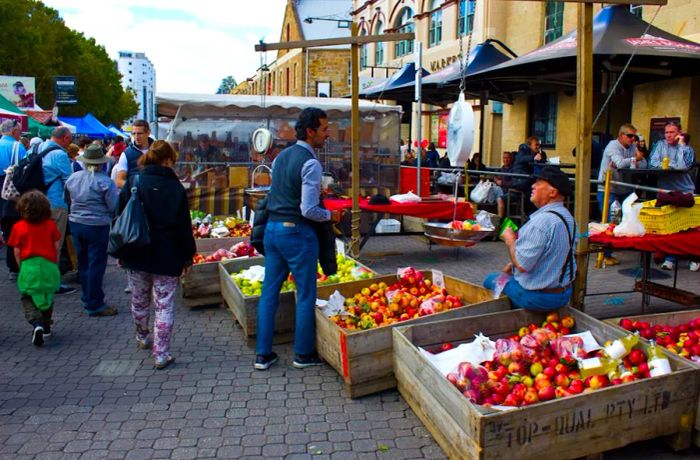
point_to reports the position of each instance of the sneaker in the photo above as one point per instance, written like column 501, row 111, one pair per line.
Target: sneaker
column 127, row 290
column 304, row 361
column 144, row 344
column 38, row 336
column 13, row 276
column 63, row 289
column 47, row 331
column 263, row 362
column 162, row 363
column 694, row 266
column 610, row 261
column 667, row 265
column 109, row 311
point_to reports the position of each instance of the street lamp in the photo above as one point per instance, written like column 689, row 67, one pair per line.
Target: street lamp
column 342, row 23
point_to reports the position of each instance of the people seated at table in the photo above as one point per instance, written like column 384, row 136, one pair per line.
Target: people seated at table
column 528, row 161
column 475, row 164
column 432, row 157
column 409, row 159
column 619, row 153
column 673, row 152
column 542, row 265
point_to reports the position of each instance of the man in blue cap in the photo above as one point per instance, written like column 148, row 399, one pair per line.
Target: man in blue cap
column 542, row 266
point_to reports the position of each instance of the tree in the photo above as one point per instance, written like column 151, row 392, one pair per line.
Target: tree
column 36, row 42
column 227, row 84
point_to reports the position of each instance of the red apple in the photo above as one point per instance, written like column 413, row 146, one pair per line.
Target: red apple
column 626, row 323
column 546, row 393
column 550, row 372
column 561, row 392
column 530, row 397
column 576, row 387
column 561, row 380
column 637, row 356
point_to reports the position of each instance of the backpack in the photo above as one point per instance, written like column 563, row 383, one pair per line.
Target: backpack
column 29, row 172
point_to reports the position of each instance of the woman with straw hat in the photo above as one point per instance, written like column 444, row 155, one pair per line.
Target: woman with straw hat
column 94, row 198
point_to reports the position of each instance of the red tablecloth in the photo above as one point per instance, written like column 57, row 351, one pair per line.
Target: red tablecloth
column 442, row 210
column 678, row 244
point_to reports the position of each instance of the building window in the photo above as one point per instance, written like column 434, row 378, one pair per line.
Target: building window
column 379, row 46
column 287, row 31
column 553, row 20
column 465, row 22
column 435, row 32
column 404, row 24
column 636, row 10
column 294, row 77
column 363, row 52
column 543, row 118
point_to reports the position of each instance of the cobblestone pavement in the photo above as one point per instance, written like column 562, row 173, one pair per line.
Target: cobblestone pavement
column 90, row 393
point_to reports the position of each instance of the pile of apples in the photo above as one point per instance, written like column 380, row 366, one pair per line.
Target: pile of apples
column 683, row 339
column 242, row 249
column 348, row 270
column 412, row 296
column 531, row 366
column 465, row 225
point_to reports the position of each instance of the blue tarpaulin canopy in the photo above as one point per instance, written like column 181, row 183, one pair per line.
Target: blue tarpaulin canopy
column 88, row 126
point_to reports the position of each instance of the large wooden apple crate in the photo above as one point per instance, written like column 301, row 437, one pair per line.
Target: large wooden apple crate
column 245, row 308
column 214, row 244
column 201, row 285
column 571, row 427
column 364, row 357
column 672, row 319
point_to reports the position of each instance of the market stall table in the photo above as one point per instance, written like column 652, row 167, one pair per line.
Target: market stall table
column 648, row 176
column 428, row 208
column 683, row 244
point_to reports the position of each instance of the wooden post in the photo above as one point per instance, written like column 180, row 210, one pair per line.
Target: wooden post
column 355, row 83
column 584, row 109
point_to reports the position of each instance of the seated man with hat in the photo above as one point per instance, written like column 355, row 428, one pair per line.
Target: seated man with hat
column 542, row 267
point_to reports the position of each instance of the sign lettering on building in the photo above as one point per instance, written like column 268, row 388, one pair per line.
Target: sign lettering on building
column 438, row 64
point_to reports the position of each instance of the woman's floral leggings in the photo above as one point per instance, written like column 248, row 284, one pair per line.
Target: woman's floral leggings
column 161, row 288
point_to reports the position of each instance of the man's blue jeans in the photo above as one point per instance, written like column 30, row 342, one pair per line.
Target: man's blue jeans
column 90, row 243
column 289, row 248
column 529, row 300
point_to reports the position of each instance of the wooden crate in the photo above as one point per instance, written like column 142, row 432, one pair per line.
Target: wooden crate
column 672, row 319
column 201, row 286
column 364, row 358
column 245, row 309
column 572, row 427
column 214, row 244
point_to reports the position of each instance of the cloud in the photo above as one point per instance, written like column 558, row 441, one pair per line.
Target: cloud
column 193, row 45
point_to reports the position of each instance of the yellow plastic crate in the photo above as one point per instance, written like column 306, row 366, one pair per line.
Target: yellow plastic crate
column 669, row 219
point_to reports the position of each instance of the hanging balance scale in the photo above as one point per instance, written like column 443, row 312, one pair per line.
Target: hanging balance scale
column 460, row 131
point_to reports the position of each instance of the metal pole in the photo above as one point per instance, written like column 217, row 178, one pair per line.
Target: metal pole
column 355, row 86
column 604, row 217
column 418, row 55
column 584, row 109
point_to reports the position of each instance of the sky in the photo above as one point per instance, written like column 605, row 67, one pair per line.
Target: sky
column 192, row 44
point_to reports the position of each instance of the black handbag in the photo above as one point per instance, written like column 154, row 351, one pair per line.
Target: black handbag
column 257, row 234
column 130, row 230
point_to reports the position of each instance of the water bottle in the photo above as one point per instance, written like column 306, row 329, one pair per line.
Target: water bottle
column 633, row 163
column 615, row 212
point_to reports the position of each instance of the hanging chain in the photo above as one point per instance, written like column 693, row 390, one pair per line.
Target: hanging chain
column 463, row 66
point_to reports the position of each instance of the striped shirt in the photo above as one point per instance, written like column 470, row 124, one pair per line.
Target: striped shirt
column 680, row 157
column 542, row 247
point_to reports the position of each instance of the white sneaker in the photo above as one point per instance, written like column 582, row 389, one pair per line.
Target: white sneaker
column 127, row 290
column 694, row 266
column 667, row 265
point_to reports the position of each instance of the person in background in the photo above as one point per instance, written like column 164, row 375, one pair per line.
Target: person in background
column 57, row 169
column 24, row 140
column 127, row 165
column 290, row 240
column 34, row 145
column 619, row 153
column 35, row 241
column 154, row 270
column 542, row 264
column 83, row 142
column 73, row 152
column 503, row 183
column 444, row 161
column 403, row 149
column 432, row 157
column 94, row 199
column 680, row 155
column 409, row 159
column 11, row 151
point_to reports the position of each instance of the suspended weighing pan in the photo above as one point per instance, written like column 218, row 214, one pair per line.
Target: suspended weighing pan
column 441, row 233
column 257, row 192
column 444, row 235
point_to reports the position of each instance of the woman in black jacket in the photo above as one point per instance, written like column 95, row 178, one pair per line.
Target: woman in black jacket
column 154, row 270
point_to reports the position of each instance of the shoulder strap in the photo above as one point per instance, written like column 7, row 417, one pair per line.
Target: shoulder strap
column 570, row 257
column 51, row 149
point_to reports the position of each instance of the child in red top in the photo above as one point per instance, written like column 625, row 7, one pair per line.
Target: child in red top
column 35, row 239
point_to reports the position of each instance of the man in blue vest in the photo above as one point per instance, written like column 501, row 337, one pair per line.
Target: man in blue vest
column 290, row 240
column 128, row 161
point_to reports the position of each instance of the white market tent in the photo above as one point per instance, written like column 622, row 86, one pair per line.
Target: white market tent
column 178, row 105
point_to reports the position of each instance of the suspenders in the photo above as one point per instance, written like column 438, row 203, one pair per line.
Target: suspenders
column 570, row 257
